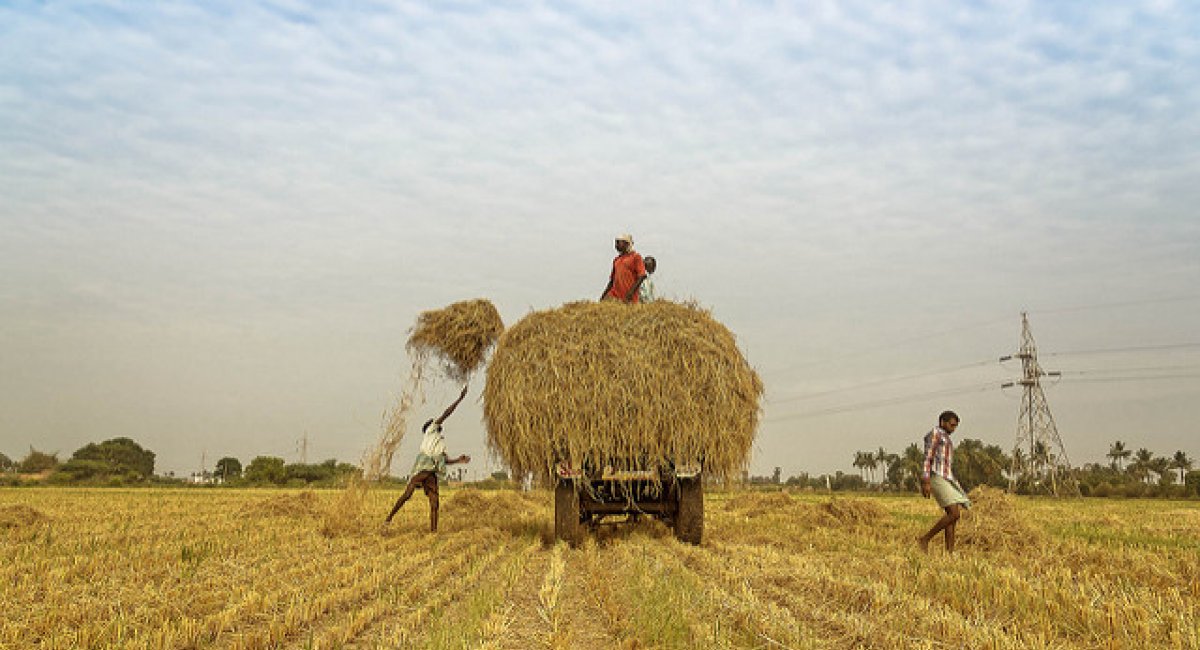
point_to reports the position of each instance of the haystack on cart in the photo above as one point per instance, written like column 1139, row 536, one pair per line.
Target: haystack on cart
column 619, row 408
column 584, row 497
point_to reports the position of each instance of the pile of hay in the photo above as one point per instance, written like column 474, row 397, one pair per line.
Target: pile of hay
column 994, row 522
column 609, row 383
column 758, row 504
column 285, row 505
column 852, row 512
column 19, row 516
column 459, row 335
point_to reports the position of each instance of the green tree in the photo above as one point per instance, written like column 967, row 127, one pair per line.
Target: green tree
column 1181, row 462
column 78, row 469
column 121, row 456
column 904, row 470
column 1161, row 466
column 37, row 462
column 228, row 467
column 860, row 463
column 6, row 464
column 1140, row 467
column 266, row 469
column 978, row 464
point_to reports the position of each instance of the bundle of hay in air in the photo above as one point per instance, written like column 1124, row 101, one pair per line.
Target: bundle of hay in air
column 459, row 335
column 615, row 384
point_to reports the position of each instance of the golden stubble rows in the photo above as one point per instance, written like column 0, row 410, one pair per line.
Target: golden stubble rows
column 251, row 569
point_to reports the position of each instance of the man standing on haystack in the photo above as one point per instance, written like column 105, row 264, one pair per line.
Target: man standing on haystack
column 430, row 465
column 937, row 478
column 628, row 273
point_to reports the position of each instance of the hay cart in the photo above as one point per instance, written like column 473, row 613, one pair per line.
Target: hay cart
column 584, row 497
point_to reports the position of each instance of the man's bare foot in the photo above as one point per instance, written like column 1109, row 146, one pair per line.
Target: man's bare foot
column 923, row 543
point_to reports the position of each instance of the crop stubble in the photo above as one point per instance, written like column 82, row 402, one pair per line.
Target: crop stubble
column 236, row 569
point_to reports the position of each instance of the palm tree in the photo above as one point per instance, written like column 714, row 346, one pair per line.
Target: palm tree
column 913, row 462
column 1118, row 453
column 1161, row 466
column 1040, row 456
column 880, row 459
column 860, row 463
column 887, row 461
column 1182, row 463
column 1140, row 467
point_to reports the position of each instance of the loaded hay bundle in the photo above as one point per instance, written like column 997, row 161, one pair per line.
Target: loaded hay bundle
column 614, row 384
column 460, row 335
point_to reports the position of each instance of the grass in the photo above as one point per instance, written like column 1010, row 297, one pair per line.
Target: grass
column 168, row 568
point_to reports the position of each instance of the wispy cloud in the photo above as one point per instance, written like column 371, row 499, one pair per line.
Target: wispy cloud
column 210, row 163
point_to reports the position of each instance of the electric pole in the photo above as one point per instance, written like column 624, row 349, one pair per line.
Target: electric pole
column 304, row 449
column 1039, row 453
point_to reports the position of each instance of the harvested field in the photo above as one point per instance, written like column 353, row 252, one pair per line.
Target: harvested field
column 299, row 504
column 219, row 569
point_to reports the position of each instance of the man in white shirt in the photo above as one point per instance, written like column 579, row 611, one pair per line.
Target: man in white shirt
column 430, row 465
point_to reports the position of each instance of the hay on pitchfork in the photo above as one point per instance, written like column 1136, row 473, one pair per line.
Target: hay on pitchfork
column 459, row 336
column 607, row 383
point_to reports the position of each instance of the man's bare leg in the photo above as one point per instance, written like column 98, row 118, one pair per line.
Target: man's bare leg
column 433, row 512
column 946, row 521
column 412, row 485
column 950, row 535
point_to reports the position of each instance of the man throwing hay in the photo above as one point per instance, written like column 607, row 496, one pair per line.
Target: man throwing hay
column 430, row 465
column 937, row 478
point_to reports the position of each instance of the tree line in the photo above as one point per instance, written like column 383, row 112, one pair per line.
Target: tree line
column 122, row 461
column 1128, row 473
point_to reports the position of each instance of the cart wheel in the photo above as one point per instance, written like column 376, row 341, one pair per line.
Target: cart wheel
column 567, row 522
column 689, row 521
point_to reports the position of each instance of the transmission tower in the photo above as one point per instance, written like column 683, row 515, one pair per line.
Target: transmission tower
column 1038, row 454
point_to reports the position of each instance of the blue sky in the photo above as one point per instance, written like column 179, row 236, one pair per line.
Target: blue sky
column 220, row 219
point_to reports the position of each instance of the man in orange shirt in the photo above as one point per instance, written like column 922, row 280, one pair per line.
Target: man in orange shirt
column 628, row 273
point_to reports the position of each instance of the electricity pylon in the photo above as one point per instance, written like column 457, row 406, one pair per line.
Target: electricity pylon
column 1039, row 452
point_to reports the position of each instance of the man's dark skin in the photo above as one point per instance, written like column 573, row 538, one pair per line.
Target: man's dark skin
column 953, row 511
column 622, row 248
column 423, row 479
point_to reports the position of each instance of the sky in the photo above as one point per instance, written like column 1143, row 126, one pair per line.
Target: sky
column 219, row 220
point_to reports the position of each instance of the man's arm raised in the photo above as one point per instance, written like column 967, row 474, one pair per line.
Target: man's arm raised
column 450, row 409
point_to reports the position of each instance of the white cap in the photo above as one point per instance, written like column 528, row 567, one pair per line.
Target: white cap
column 626, row 237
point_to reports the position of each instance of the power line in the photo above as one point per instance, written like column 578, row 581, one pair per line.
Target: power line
column 1139, row 348
column 1092, row 371
column 879, row 382
column 1110, row 305
column 894, row 344
column 859, row 406
column 1091, row 380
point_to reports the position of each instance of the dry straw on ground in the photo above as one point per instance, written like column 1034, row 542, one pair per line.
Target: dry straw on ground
column 610, row 383
column 993, row 522
column 284, row 505
column 19, row 516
